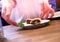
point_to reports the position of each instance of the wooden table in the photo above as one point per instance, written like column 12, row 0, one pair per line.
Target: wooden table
column 50, row 33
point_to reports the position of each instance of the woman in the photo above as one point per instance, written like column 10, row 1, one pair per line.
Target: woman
column 14, row 11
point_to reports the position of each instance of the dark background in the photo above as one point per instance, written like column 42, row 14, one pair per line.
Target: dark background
column 4, row 23
column 58, row 4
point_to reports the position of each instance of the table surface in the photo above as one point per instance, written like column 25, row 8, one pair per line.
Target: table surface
column 50, row 33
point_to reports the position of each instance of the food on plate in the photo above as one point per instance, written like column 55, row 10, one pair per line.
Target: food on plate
column 20, row 24
column 34, row 21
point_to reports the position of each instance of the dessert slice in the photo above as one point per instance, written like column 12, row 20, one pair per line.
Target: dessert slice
column 34, row 21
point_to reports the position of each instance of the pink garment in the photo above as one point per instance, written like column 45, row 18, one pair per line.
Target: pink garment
column 25, row 9
column 29, row 7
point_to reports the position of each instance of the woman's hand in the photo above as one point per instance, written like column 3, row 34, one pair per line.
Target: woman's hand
column 46, row 10
column 6, row 12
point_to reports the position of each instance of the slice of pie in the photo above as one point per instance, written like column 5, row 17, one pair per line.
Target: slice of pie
column 34, row 21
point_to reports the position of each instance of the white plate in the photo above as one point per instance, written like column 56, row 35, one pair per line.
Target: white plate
column 42, row 21
column 56, row 14
column 31, row 26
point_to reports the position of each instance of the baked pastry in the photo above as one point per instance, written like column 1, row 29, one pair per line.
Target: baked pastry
column 34, row 21
column 29, row 21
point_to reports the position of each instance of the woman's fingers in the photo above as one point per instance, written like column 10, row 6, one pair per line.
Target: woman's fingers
column 41, row 15
column 52, row 13
column 49, row 13
column 46, row 16
column 46, row 13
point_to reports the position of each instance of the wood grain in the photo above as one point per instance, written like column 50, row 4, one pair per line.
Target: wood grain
column 50, row 33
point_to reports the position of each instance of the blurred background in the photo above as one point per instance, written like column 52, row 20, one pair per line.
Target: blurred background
column 55, row 4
